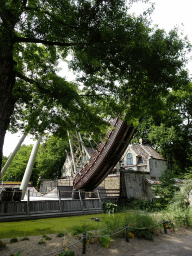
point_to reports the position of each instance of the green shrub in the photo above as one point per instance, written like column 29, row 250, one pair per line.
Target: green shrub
column 13, row 240
column 166, row 189
column 78, row 229
column 144, row 205
column 143, row 233
column 46, row 237
column 24, row 238
column 109, row 207
column 17, row 253
column 105, row 241
column 67, row 253
column 61, row 234
column 113, row 223
column 42, row 241
column 2, row 245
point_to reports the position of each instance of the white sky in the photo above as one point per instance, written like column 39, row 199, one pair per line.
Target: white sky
column 167, row 15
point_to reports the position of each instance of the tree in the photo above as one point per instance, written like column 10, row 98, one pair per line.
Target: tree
column 51, row 157
column 166, row 189
column 171, row 133
column 127, row 66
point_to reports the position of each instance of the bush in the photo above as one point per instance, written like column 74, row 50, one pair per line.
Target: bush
column 167, row 189
column 105, row 241
column 144, row 205
column 13, row 240
column 46, row 237
column 24, row 238
column 109, row 207
column 61, row 234
column 67, row 253
column 42, row 241
column 2, row 245
column 78, row 229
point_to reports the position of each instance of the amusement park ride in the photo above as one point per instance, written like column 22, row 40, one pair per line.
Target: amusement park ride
column 100, row 164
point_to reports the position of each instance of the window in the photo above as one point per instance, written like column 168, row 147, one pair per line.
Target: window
column 129, row 160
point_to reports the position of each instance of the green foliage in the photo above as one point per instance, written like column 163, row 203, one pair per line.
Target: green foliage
column 179, row 206
column 166, row 189
column 67, row 253
column 45, row 226
column 48, row 163
column 46, row 237
column 105, row 241
column 61, row 234
column 170, row 133
column 42, row 241
column 124, row 66
column 188, row 174
column 2, row 244
column 24, row 238
column 13, row 240
column 139, row 224
column 17, row 253
column 144, row 205
column 78, row 229
column 109, row 207
column 51, row 156
column 4, row 160
column 17, row 167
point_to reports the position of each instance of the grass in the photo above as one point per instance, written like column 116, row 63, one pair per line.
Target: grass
column 42, row 226
column 76, row 225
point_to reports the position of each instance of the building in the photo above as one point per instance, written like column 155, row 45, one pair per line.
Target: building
column 141, row 167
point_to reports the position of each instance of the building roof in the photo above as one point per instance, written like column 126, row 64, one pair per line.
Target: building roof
column 145, row 152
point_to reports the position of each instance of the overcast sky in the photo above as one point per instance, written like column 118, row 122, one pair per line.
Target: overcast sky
column 167, row 15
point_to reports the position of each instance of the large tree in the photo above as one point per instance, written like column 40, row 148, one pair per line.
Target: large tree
column 171, row 133
column 126, row 67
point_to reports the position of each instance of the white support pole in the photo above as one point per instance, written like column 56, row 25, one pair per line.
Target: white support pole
column 12, row 155
column 29, row 167
column 72, row 155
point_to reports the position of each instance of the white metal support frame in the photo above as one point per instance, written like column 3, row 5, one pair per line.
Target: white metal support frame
column 12, row 156
column 72, row 155
column 29, row 167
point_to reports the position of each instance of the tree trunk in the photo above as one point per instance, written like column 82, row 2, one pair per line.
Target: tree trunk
column 7, row 81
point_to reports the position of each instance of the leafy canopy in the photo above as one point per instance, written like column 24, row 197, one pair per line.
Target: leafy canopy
column 126, row 65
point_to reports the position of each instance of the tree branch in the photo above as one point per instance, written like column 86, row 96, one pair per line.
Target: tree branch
column 35, row 40
column 92, row 95
column 24, row 3
column 52, row 16
column 43, row 90
column 31, row 81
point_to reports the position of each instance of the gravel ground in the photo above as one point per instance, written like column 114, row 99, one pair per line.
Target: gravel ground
column 163, row 244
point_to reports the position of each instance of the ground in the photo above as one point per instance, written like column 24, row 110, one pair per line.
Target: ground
column 180, row 239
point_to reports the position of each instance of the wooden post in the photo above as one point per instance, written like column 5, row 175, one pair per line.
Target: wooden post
column 28, row 199
column 187, row 221
column 84, row 243
column 126, row 233
column 60, row 206
column 123, row 191
column 81, row 200
column 164, row 226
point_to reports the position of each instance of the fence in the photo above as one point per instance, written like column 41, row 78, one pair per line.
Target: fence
column 126, row 230
column 81, row 203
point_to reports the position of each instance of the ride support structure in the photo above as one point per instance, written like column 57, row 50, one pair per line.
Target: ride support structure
column 105, row 158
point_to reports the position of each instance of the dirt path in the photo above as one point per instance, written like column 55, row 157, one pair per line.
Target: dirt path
column 173, row 243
